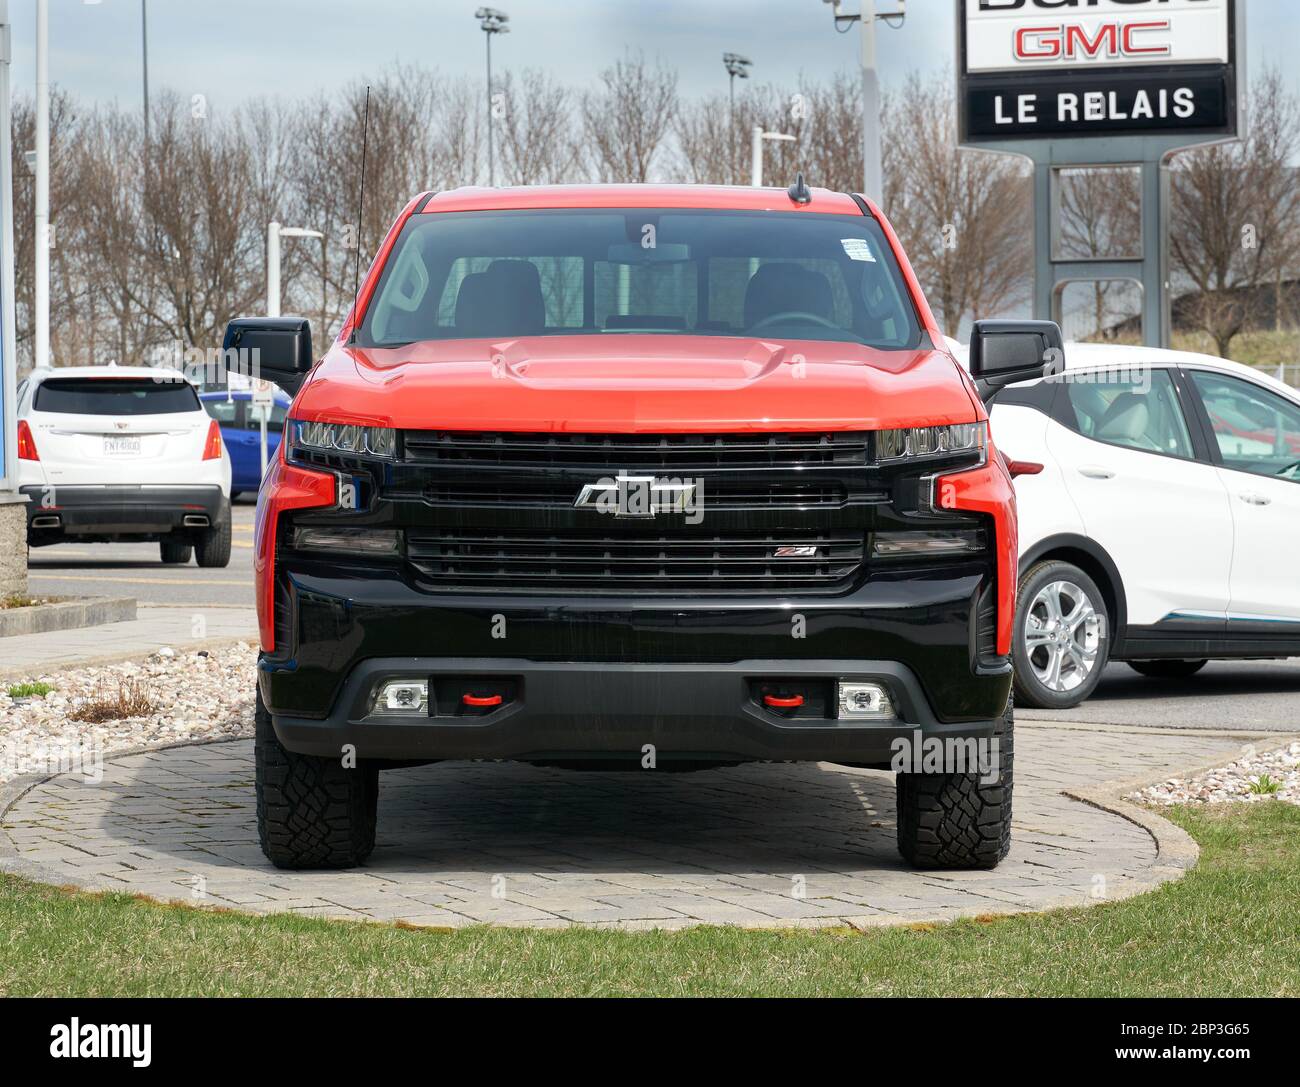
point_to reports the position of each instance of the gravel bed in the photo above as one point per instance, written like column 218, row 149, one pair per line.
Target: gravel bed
column 203, row 695
column 1233, row 782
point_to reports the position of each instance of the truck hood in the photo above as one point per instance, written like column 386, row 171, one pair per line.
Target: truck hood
column 629, row 383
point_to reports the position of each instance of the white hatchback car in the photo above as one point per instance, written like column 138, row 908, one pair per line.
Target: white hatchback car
column 1159, row 497
column 113, row 453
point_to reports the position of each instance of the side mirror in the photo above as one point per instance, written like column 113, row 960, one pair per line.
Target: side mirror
column 1004, row 352
column 276, row 349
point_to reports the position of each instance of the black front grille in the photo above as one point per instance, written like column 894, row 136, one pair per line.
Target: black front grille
column 499, row 513
column 606, row 563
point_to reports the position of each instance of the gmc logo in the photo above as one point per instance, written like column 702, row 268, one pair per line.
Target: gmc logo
column 1071, row 41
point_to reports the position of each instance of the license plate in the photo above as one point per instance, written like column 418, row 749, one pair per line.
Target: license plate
column 119, row 446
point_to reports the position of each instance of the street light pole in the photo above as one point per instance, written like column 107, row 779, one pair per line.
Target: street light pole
column 736, row 65
column 144, row 40
column 756, row 152
column 13, row 513
column 8, row 352
column 872, row 173
column 41, row 287
column 491, row 22
column 274, row 232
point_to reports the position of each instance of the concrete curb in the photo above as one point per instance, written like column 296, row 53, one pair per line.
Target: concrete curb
column 91, row 611
column 1176, row 851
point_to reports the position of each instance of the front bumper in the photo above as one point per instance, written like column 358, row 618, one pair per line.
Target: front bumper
column 619, row 712
column 601, row 679
column 118, row 510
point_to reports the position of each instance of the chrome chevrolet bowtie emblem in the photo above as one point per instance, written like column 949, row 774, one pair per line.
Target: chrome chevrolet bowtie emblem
column 637, row 496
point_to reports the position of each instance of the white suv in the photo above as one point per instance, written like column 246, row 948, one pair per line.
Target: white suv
column 1159, row 497
column 109, row 453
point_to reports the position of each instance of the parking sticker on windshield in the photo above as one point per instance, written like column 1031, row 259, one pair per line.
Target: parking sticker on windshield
column 857, row 249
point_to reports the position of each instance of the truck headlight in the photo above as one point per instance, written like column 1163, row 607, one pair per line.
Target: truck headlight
column 913, row 443
column 371, row 441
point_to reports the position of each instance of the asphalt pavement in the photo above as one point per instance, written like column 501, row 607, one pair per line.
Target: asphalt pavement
column 1223, row 695
column 76, row 569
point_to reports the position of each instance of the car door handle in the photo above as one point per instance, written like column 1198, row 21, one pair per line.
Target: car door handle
column 1253, row 499
column 1093, row 471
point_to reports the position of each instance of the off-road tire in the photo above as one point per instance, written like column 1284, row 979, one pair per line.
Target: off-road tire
column 212, row 545
column 1167, row 669
column 311, row 812
column 954, row 820
column 175, row 552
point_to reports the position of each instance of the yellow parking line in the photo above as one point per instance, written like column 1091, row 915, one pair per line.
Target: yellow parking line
column 136, row 580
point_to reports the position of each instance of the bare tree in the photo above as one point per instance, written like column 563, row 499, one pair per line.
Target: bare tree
column 538, row 146
column 832, row 145
column 627, row 120
column 404, row 156
column 961, row 215
column 1233, row 221
column 705, row 144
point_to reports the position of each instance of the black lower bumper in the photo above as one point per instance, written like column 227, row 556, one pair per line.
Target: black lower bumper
column 117, row 511
column 602, row 677
column 627, row 712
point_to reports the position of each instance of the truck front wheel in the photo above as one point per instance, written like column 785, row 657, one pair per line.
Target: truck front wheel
column 311, row 812
column 960, row 819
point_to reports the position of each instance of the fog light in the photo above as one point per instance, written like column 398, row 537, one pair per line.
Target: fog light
column 865, row 701
column 402, row 697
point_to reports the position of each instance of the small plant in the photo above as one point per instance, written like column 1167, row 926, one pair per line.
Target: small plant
column 16, row 601
column 29, row 690
column 1265, row 786
column 130, row 700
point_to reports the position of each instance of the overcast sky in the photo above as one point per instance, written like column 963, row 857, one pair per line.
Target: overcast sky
column 233, row 49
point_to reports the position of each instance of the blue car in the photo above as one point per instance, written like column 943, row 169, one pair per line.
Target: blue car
column 242, row 432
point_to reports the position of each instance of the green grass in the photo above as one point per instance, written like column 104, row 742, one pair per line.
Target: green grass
column 1230, row 928
column 29, row 690
column 1264, row 348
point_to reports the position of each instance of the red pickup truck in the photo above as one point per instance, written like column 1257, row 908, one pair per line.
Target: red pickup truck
column 669, row 477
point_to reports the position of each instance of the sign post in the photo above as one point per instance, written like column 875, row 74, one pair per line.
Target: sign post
column 13, row 513
column 1100, row 85
column 263, row 399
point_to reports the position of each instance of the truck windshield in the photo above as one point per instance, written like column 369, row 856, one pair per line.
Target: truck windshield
column 506, row 274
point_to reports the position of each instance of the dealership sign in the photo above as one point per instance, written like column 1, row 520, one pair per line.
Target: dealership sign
column 1059, row 68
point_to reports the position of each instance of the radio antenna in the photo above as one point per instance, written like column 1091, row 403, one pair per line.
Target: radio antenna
column 361, row 211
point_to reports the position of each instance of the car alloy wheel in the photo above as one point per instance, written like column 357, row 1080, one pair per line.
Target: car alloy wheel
column 1064, row 632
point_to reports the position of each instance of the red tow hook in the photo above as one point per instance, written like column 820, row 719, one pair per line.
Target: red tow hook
column 482, row 701
column 778, row 702
column 1023, row 468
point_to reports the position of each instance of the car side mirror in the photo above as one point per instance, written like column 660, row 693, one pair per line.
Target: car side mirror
column 1004, row 352
column 275, row 349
